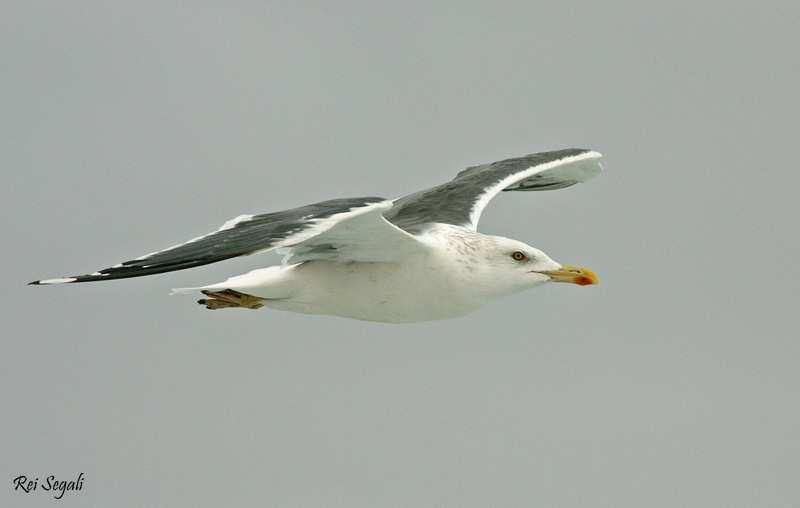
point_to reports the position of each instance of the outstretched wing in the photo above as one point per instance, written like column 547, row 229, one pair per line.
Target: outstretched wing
column 340, row 230
column 461, row 201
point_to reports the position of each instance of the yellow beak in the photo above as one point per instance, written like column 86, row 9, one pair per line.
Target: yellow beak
column 573, row 274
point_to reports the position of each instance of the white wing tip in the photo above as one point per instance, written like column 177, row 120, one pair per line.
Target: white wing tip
column 62, row 280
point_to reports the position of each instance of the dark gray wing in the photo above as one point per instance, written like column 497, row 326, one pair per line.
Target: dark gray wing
column 461, row 201
column 351, row 229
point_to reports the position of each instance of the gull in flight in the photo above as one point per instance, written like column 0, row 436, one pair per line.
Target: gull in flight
column 415, row 258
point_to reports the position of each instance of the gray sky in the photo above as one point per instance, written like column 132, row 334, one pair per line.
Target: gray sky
column 676, row 382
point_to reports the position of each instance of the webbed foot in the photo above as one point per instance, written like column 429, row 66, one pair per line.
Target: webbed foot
column 230, row 299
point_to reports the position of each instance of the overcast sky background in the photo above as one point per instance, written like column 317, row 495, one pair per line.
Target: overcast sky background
column 128, row 128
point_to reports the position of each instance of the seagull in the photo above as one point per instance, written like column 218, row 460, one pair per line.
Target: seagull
column 412, row 259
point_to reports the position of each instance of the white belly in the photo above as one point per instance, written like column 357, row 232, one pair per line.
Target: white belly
column 418, row 289
column 385, row 292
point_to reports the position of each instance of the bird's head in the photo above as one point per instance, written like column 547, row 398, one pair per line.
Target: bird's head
column 515, row 266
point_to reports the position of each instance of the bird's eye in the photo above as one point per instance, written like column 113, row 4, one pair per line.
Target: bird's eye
column 518, row 255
